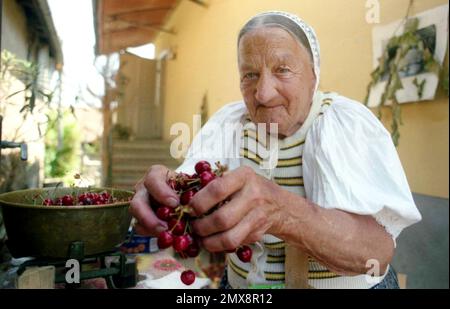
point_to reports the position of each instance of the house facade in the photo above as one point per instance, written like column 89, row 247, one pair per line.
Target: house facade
column 28, row 34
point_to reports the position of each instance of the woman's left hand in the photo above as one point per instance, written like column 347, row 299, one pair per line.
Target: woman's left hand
column 253, row 208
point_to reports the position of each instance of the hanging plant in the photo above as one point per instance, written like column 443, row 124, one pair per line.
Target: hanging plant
column 393, row 62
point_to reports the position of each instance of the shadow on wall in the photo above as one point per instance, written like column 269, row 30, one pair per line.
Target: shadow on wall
column 422, row 249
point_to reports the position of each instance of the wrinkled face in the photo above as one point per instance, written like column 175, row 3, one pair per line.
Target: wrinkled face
column 277, row 78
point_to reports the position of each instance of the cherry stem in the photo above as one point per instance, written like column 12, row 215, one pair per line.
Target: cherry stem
column 178, row 221
column 193, row 181
column 186, row 227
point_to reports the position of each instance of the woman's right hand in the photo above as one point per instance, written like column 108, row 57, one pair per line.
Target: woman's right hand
column 152, row 187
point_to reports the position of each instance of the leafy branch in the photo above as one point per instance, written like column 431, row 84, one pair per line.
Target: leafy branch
column 28, row 73
column 393, row 62
column 12, row 70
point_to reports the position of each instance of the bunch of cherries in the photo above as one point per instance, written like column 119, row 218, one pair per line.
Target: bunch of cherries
column 179, row 234
column 86, row 198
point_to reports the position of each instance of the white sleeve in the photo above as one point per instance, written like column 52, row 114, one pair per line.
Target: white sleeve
column 350, row 163
column 217, row 140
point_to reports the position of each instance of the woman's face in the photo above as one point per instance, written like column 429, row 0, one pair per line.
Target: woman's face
column 277, row 78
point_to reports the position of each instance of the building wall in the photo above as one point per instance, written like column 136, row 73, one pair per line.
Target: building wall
column 137, row 109
column 205, row 63
column 14, row 29
column 15, row 39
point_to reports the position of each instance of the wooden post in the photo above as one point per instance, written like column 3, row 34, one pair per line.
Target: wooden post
column 37, row 278
column 107, row 127
column 296, row 268
column 106, row 139
column 1, row 123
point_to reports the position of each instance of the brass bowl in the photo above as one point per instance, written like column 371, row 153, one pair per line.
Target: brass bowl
column 47, row 231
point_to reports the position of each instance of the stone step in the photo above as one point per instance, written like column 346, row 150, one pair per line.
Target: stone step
column 127, row 177
column 123, row 186
column 151, row 153
column 132, row 159
column 136, row 166
column 147, row 156
column 125, row 183
column 142, row 153
column 141, row 144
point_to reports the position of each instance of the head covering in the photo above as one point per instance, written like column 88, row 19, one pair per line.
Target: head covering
column 294, row 25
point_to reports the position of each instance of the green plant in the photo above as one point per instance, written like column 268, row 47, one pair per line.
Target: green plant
column 92, row 148
column 394, row 61
column 204, row 109
column 62, row 160
column 28, row 73
column 121, row 132
column 23, row 101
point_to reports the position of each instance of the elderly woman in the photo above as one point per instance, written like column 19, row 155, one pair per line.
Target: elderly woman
column 337, row 190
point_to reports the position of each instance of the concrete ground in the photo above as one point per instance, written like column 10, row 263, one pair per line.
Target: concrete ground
column 422, row 249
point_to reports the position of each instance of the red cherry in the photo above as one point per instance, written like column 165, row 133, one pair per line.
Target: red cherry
column 206, row 177
column 244, row 253
column 67, row 200
column 164, row 213
column 187, row 277
column 86, row 201
column 105, row 197
column 95, row 198
column 47, row 202
column 190, row 238
column 193, row 250
column 165, row 239
column 202, row 166
column 187, row 196
column 177, row 227
column 58, row 201
column 180, row 243
column 81, row 197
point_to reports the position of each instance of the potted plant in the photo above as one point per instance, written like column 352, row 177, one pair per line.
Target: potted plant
column 400, row 55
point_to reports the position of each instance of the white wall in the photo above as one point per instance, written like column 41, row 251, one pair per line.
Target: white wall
column 15, row 39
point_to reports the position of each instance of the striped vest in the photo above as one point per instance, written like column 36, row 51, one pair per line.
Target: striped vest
column 267, row 265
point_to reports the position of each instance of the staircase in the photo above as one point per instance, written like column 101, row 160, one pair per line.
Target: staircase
column 132, row 159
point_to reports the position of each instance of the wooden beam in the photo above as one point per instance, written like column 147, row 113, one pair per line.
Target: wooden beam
column 138, row 19
column 100, row 29
column 148, row 27
column 296, row 268
column 152, row 16
column 118, row 19
column 115, row 7
column 131, row 37
column 151, row 10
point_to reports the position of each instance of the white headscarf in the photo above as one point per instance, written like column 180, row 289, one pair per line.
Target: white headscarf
column 307, row 30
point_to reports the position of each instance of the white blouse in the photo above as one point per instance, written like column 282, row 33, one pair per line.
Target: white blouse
column 349, row 161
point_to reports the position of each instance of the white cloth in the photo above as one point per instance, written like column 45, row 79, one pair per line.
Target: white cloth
column 173, row 281
column 349, row 161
